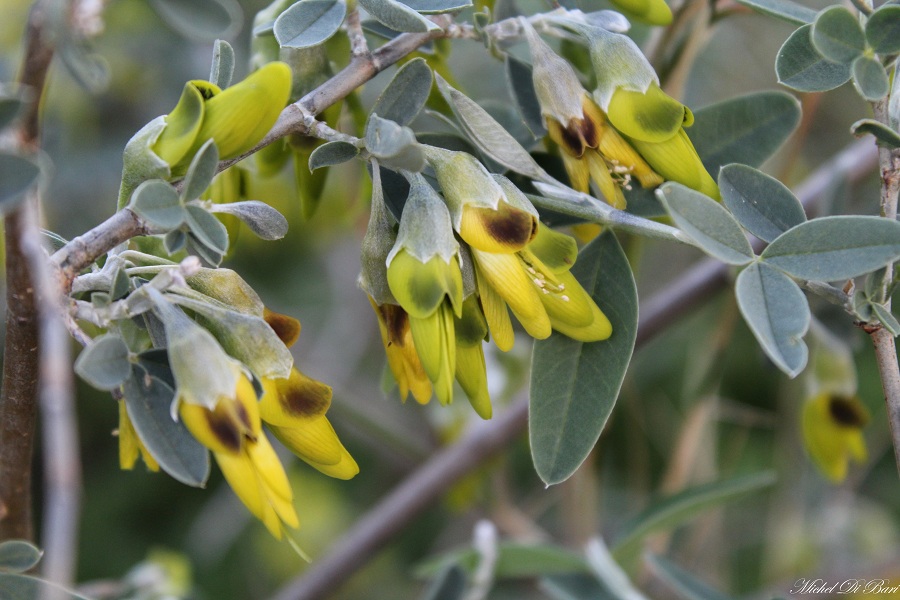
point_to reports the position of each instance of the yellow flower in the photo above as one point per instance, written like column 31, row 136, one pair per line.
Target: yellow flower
column 403, row 360
column 130, row 444
column 294, row 409
column 832, row 432
column 233, row 431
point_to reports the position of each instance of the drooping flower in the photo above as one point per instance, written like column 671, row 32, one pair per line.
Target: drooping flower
column 403, row 360
column 232, row 430
column 832, row 432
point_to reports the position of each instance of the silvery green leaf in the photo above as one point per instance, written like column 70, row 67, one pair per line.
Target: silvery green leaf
column 175, row 241
column 887, row 319
column 18, row 556
column 201, row 19
column 201, row 171
column 406, row 94
column 17, row 174
column 262, row 219
column 222, row 68
column 707, row 223
column 894, row 102
column 148, row 400
column 777, row 312
column 799, row 65
column 207, row 229
column 332, row 153
column 393, row 145
column 377, row 244
column 835, row 248
column 104, row 363
column 227, row 287
column 837, row 35
column 869, row 78
column 762, row 204
column 120, row 285
column 883, row 29
column 431, row 7
column 783, row 9
column 309, row 23
column 246, row 337
column 397, row 16
column 210, row 257
column 158, row 203
column 489, row 136
column 518, row 76
column 884, row 135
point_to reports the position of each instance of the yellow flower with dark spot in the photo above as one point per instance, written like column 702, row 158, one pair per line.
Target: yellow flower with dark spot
column 832, row 432
column 403, row 360
column 233, row 431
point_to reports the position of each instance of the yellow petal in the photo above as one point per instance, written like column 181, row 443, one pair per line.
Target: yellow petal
column 436, row 345
column 472, row 376
column 495, row 313
column 273, row 479
column 620, row 154
column 182, row 126
column 288, row 402
column 393, row 323
column 568, row 303
column 318, row 445
column 506, row 229
column 128, row 442
column 578, row 171
column 653, row 12
column 286, row 328
column 609, row 189
column 832, row 433
column 599, row 329
column 225, row 428
column 557, row 251
column 677, row 160
column 420, row 287
column 651, row 116
column 506, row 274
column 585, row 232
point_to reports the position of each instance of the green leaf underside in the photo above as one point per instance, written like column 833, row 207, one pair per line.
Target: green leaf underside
column 18, row 555
column 837, row 35
column 777, row 312
column 148, row 400
column 514, row 560
column 263, row 220
column 104, row 363
column 835, row 248
column 207, row 229
column 887, row 319
column 675, row 510
column 202, row 19
column 884, row 135
column 782, row 9
column 17, row 174
column 762, row 204
column 883, row 29
column 397, row 16
column 309, row 23
column 158, row 203
column 747, row 129
column 799, row 65
column 869, row 78
column 707, row 223
column 332, row 153
column 685, row 584
column 201, row 171
column 450, row 584
column 574, row 385
column 406, row 94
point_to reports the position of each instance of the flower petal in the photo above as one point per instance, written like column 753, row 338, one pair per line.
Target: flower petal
column 286, row 328
column 507, row 275
column 651, row 116
column 317, row 443
column 436, row 345
column 420, row 287
column 677, row 160
column 471, row 373
column 290, row 402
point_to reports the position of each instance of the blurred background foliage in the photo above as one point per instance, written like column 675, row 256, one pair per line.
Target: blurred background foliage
column 700, row 402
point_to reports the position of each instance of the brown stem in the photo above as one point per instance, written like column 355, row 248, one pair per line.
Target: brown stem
column 18, row 396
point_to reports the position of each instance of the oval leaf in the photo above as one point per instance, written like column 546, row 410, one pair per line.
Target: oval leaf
column 262, row 219
column 158, row 203
column 332, row 153
column 394, row 145
column 799, row 65
column 201, row 19
column 18, row 555
column 104, row 363
column 883, row 29
column 711, row 226
column 748, row 129
column 207, row 229
column 406, row 94
column 490, row 137
column 762, row 204
column 869, row 78
column 148, row 400
column 309, row 23
column 201, row 171
column 835, row 248
column 884, row 135
column 782, row 9
column 222, row 68
column 776, row 310
column 574, row 385
column 837, row 35
column 431, row 7
column 397, row 16
column 17, row 174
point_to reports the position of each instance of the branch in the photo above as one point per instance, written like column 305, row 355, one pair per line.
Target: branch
column 18, row 405
column 434, row 477
column 883, row 341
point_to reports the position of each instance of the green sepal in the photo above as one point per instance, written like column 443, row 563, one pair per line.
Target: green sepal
column 140, row 163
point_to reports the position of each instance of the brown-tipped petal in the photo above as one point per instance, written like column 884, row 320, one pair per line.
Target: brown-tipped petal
column 286, row 328
column 506, row 229
column 287, row 402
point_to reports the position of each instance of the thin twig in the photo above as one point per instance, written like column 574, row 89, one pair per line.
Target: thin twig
column 883, row 341
column 427, row 483
column 358, row 44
